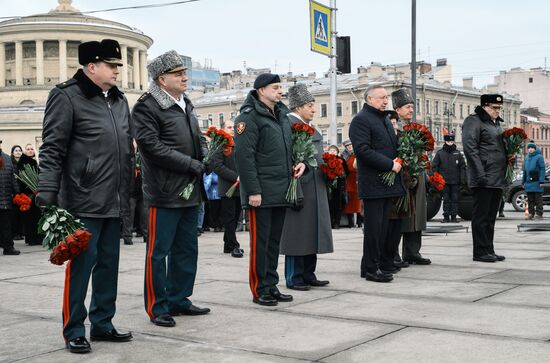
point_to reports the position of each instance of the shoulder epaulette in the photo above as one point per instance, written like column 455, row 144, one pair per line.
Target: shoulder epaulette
column 67, row 83
column 144, row 96
column 247, row 110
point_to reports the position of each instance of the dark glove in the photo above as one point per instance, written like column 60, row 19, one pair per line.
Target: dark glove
column 46, row 199
column 482, row 181
column 196, row 167
column 208, row 167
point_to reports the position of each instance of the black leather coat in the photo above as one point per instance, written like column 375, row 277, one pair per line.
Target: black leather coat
column 168, row 139
column 87, row 151
column 484, row 150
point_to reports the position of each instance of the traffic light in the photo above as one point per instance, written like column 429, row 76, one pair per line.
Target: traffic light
column 343, row 60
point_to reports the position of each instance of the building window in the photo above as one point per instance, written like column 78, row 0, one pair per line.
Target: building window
column 437, row 133
column 418, row 106
column 427, row 108
column 532, row 133
column 354, row 107
column 209, row 118
column 530, row 79
column 232, row 116
column 339, row 136
column 339, row 109
column 446, row 107
column 468, row 109
column 324, row 133
column 461, row 110
column 323, row 110
column 436, row 107
column 537, row 134
column 220, row 118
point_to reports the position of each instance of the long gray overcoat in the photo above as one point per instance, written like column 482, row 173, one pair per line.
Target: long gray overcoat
column 308, row 231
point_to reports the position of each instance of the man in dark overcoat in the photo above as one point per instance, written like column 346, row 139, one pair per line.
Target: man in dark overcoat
column 307, row 231
column 486, row 155
column 375, row 145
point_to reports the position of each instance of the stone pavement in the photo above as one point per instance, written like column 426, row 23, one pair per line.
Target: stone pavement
column 455, row 310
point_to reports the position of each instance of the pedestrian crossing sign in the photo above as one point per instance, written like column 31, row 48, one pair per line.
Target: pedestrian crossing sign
column 320, row 29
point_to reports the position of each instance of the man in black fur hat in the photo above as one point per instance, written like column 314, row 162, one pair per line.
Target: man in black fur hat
column 86, row 161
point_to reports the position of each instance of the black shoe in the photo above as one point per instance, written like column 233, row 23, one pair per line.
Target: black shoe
column 378, row 276
column 265, row 300
column 446, row 219
column 499, row 257
column 486, row 258
column 281, row 297
column 112, row 336
column 501, row 215
column 299, row 287
column 318, row 283
column 78, row 345
column 128, row 241
column 191, row 310
column 390, row 270
column 454, row 220
column 218, row 229
column 400, row 264
column 237, row 252
column 419, row 261
column 363, row 274
column 11, row 251
column 199, row 232
column 164, row 320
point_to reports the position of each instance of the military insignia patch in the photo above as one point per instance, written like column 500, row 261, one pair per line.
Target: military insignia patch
column 499, row 99
column 240, row 127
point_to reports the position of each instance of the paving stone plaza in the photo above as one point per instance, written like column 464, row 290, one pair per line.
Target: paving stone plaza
column 454, row 310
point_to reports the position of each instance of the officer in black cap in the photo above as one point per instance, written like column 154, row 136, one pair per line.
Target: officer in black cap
column 85, row 167
column 486, row 156
column 263, row 155
column 449, row 162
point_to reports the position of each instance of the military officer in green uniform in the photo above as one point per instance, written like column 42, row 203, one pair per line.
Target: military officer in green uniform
column 263, row 154
column 85, row 160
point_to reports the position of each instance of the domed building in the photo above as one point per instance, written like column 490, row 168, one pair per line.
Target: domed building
column 39, row 51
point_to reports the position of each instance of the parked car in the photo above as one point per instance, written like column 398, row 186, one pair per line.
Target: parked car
column 517, row 196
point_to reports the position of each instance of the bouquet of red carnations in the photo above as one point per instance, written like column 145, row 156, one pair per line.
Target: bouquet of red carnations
column 22, row 201
column 303, row 151
column 333, row 168
column 513, row 141
column 414, row 141
column 437, row 180
column 219, row 141
column 65, row 235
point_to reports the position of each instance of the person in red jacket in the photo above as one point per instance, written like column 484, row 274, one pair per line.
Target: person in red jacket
column 353, row 205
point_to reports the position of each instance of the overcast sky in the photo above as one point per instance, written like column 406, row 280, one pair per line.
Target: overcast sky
column 479, row 38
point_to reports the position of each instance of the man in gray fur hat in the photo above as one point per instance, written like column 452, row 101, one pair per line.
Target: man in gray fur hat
column 306, row 231
column 172, row 148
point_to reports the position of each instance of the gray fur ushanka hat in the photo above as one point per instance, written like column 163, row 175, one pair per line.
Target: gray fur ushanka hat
column 298, row 95
column 168, row 62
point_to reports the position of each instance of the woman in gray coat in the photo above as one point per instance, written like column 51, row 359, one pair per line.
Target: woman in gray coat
column 306, row 232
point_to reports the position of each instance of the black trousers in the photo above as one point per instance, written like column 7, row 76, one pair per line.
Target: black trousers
column 17, row 224
column 136, row 207
column 484, row 215
column 300, row 270
column 230, row 213
column 391, row 245
column 266, row 227
column 534, row 202
column 335, row 206
column 214, row 213
column 377, row 212
column 6, row 237
column 412, row 242
column 451, row 193
column 30, row 220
